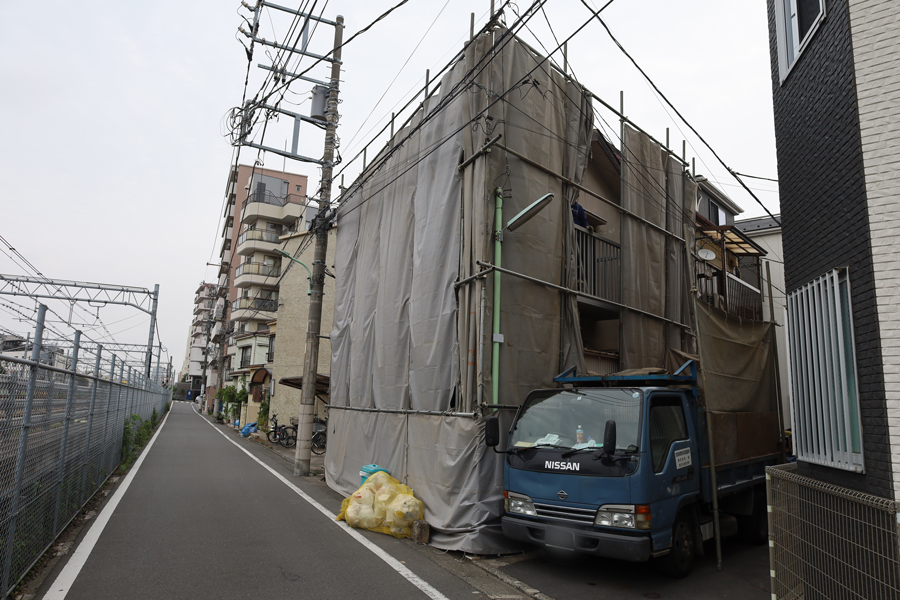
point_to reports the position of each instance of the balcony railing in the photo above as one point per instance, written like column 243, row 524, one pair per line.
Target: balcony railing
column 261, row 304
column 259, row 235
column 736, row 296
column 743, row 299
column 252, row 268
column 245, row 361
column 270, row 198
column 598, row 265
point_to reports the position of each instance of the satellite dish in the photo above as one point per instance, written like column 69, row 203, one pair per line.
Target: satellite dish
column 706, row 254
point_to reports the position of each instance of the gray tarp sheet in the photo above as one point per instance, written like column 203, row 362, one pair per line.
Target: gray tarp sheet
column 738, row 367
column 404, row 337
column 655, row 267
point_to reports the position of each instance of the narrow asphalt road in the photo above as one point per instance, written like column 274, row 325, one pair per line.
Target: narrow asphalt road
column 203, row 519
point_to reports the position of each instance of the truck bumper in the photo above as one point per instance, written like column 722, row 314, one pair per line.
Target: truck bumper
column 609, row 545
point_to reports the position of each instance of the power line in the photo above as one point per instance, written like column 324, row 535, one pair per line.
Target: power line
column 685, row 121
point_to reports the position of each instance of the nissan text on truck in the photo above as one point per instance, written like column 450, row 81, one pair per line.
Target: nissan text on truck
column 618, row 466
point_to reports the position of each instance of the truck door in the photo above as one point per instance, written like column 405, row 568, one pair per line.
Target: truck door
column 673, row 455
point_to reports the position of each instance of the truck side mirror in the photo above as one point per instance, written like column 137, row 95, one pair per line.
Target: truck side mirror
column 492, row 432
column 609, row 438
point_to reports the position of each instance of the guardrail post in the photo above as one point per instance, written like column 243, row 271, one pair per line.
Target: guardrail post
column 90, row 427
column 23, row 446
column 70, row 399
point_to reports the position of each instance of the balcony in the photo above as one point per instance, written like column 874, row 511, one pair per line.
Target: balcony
column 273, row 200
column 273, row 208
column 719, row 278
column 254, row 308
column 257, row 240
column 251, row 273
column 205, row 305
column 599, row 263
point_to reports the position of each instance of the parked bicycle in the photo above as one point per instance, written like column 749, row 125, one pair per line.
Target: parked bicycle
column 320, row 435
column 286, row 435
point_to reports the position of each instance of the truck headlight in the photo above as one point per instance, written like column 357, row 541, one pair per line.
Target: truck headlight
column 519, row 504
column 627, row 516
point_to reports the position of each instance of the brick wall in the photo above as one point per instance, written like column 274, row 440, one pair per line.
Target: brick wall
column 875, row 27
column 825, row 215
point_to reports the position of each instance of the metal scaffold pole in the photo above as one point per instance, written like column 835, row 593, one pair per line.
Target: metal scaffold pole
column 317, row 281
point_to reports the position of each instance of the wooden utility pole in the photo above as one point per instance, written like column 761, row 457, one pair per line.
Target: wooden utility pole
column 317, row 281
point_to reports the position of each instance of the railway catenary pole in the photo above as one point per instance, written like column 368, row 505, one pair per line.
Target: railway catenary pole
column 317, row 283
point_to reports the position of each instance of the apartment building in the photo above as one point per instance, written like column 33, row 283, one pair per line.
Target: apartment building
column 836, row 99
column 262, row 206
column 204, row 301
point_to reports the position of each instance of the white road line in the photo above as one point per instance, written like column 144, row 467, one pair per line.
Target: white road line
column 70, row 572
column 395, row 564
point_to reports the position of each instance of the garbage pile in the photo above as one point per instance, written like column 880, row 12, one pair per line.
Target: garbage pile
column 382, row 504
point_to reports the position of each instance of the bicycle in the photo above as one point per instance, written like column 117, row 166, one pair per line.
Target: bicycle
column 320, row 436
column 275, row 430
column 288, row 436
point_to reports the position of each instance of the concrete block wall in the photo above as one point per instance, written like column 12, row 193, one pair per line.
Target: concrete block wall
column 825, row 216
column 875, row 30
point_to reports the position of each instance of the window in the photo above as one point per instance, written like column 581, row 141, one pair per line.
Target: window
column 795, row 23
column 822, row 354
column 245, row 357
column 299, row 189
column 666, row 426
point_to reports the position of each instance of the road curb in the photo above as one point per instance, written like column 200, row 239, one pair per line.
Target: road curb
column 509, row 580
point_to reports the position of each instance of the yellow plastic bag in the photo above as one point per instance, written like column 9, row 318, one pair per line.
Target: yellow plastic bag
column 382, row 504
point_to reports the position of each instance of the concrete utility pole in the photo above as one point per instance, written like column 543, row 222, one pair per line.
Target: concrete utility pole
column 317, row 281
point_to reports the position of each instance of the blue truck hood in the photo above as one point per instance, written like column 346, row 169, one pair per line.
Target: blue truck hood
column 583, row 491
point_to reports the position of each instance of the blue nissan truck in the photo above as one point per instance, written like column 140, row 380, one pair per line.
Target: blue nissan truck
column 619, row 467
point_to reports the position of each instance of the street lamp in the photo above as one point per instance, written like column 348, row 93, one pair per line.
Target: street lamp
column 308, row 272
column 517, row 221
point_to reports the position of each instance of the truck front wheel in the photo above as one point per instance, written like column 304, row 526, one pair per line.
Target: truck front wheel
column 678, row 562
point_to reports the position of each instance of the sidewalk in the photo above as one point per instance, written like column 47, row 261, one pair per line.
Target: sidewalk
column 316, row 463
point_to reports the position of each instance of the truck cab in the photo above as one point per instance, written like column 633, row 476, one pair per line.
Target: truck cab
column 612, row 471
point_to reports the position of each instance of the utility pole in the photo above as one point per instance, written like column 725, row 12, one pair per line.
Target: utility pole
column 152, row 330
column 317, row 281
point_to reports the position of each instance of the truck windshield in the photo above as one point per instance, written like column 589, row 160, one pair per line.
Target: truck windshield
column 554, row 419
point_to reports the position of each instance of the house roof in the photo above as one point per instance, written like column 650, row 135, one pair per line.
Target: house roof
column 758, row 224
column 718, row 195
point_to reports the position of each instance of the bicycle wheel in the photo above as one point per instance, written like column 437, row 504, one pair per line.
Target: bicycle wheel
column 288, row 437
column 272, row 436
column 318, row 443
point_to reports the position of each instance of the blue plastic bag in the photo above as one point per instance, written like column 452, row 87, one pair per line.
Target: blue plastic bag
column 248, row 429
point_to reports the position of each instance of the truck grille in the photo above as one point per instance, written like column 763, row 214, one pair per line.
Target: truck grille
column 583, row 516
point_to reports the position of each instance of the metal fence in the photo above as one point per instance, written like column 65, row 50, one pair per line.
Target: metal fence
column 830, row 542
column 60, row 439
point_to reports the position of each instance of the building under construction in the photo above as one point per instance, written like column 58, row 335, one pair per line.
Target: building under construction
column 462, row 285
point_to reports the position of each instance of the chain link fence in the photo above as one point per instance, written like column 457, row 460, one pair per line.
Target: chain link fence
column 830, row 542
column 61, row 430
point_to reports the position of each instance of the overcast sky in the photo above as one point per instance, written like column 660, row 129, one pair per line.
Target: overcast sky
column 114, row 161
